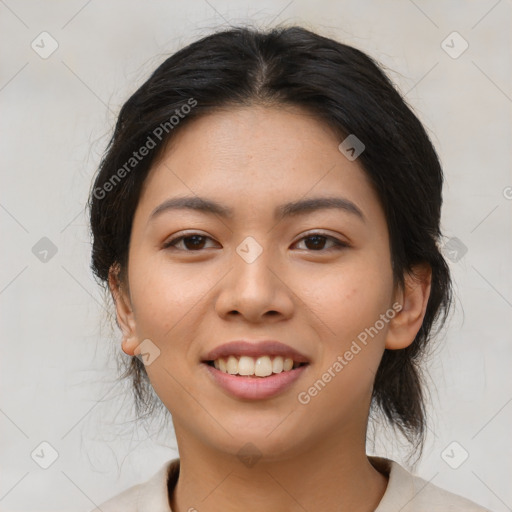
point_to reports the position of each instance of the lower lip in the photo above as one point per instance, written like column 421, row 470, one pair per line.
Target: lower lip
column 255, row 388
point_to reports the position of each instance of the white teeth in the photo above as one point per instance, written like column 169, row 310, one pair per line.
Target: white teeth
column 246, row 366
column 232, row 365
column 262, row 366
column 277, row 364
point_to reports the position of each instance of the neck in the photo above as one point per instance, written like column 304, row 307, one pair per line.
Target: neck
column 334, row 475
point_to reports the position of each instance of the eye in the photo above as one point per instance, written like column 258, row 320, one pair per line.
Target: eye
column 318, row 240
column 193, row 242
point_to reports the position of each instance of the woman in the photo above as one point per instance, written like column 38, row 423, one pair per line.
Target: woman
column 267, row 220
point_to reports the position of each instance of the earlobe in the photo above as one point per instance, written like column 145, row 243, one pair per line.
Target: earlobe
column 124, row 312
column 414, row 299
column 130, row 346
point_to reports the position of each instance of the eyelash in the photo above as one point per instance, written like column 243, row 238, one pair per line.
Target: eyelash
column 338, row 244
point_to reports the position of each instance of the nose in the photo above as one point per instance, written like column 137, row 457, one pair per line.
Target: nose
column 255, row 290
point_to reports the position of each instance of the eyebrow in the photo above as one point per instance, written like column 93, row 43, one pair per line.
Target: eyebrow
column 291, row 209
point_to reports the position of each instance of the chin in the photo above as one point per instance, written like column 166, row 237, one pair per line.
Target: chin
column 261, row 439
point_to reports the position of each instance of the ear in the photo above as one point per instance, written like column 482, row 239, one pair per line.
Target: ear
column 414, row 299
column 124, row 311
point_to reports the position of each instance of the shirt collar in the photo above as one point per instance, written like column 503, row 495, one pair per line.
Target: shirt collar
column 154, row 495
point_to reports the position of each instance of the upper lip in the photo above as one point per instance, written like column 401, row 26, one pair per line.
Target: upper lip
column 255, row 349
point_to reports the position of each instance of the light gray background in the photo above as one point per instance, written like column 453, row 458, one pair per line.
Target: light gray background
column 57, row 114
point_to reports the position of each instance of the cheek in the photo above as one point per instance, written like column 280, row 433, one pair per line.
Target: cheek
column 163, row 295
column 350, row 305
column 166, row 301
column 351, row 297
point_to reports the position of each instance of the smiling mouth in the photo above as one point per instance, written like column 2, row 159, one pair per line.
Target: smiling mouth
column 263, row 366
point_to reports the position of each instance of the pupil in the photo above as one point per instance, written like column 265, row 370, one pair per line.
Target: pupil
column 198, row 240
column 319, row 239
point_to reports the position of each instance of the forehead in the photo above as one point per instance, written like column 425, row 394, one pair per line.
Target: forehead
column 246, row 157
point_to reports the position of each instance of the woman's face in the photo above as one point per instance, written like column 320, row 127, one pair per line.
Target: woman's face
column 312, row 279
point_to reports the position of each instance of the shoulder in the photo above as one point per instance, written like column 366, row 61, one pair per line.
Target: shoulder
column 410, row 493
column 149, row 496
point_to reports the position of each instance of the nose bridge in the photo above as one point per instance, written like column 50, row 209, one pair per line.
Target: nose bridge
column 251, row 265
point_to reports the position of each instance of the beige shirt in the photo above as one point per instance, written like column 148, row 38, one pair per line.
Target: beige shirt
column 404, row 493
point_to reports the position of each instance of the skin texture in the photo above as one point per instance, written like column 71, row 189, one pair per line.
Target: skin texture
column 311, row 295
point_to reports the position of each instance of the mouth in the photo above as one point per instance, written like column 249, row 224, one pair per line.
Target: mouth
column 262, row 366
column 254, row 370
